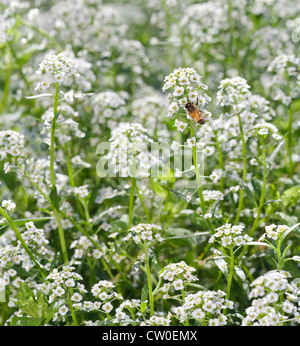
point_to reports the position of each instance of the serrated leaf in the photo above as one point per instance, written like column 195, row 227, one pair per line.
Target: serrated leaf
column 26, row 321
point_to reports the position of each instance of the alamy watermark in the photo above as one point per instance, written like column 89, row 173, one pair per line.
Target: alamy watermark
column 296, row 31
column 2, row 30
column 2, row 291
column 155, row 160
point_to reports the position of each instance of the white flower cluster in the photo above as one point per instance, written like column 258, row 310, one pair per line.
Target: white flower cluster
column 8, row 204
column 121, row 313
column 128, row 153
column 205, row 307
column 264, row 128
column 177, row 275
column 273, row 232
column 230, row 236
column 284, row 65
column 103, row 291
column 157, row 321
column 144, row 233
column 12, row 253
column 10, row 143
column 148, row 106
column 276, row 300
column 56, row 69
column 234, row 92
column 185, row 83
column 35, row 238
column 203, row 22
column 108, row 107
column 81, row 191
column 212, row 195
column 284, row 68
column 60, row 281
column 84, row 246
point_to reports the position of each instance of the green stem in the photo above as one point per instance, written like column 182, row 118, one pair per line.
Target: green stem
column 229, row 282
column 52, row 145
column 6, row 83
column 290, row 128
column 263, row 191
column 231, row 269
column 131, row 201
column 242, row 192
column 279, row 256
column 52, row 173
column 151, row 300
column 142, row 203
column 221, row 162
column 198, row 179
column 69, row 166
column 42, row 32
column 71, row 308
column 19, row 236
column 262, row 196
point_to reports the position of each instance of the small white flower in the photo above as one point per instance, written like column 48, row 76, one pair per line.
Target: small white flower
column 178, row 285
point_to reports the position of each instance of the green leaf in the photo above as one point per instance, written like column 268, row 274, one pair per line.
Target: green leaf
column 221, row 264
column 291, row 196
column 144, row 294
column 288, row 220
column 135, row 267
column 240, row 273
column 154, row 260
column 256, row 184
column 289, row 231
column 259, row 243
column 247, row 190
column 54, row 197
column 26, row 321
column 274, row 154
column 36, row 307
column 159, row 189
column 38, row 96
column 271, row 201
column 182, row 196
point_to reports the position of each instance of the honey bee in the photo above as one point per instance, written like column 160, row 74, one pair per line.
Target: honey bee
column 194, row 112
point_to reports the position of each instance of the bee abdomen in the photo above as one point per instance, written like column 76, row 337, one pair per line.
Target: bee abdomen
column 201, row 121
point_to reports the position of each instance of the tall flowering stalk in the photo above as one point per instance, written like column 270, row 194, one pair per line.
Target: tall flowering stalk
column 144, row 235
column 185, row 84
column 234, row 93
column 230, row 238
column 286, row 71
column 129, row 157
column 55, row 70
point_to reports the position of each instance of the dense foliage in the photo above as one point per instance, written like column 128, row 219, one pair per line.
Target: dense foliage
column 120, row 205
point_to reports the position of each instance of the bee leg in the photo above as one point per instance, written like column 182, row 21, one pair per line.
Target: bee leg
column 197, row 103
